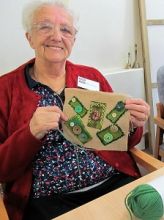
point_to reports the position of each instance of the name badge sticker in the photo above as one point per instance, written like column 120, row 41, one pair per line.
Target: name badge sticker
column 88, row 84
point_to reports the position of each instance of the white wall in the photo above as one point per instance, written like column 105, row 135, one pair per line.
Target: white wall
column 123, row 77
column 108, row 31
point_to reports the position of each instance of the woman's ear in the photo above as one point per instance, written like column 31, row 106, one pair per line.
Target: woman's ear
column 29, row 38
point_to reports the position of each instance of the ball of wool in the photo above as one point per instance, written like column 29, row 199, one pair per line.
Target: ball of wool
column 145, row 203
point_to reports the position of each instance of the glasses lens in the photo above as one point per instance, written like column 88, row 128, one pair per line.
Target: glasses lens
column 47, row 28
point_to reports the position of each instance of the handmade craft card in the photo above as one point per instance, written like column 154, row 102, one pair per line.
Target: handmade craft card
column 96, row 120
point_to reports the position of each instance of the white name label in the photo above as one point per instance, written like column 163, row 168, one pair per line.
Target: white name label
column 88, row 84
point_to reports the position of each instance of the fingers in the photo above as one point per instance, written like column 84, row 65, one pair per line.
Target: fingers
column 45, row 119
column 138, row 106
column 137, row 103
column 62, row 115
column 55, row 111
column 140, row 115
column 139, row 111
column 136, row 122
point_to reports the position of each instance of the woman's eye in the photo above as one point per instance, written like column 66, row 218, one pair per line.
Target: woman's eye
column 45, row 27
column 65, row 30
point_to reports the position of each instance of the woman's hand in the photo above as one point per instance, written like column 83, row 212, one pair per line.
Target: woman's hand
column 139, row 111
column 45, row 119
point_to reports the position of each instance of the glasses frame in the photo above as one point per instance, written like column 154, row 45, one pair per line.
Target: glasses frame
column 47, row 28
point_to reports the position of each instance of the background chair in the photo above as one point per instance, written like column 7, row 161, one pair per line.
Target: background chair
column 145, row 161
column 159, row 119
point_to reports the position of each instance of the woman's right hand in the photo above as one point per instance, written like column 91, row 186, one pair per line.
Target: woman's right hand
column 45, row 119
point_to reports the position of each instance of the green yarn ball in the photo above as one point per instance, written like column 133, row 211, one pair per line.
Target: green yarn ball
column 145, row 203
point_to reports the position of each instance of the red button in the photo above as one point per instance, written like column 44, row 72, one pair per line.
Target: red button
column 116, row 164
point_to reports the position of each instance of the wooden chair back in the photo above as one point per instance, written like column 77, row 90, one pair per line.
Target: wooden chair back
column 159, row 121
column 3, row 212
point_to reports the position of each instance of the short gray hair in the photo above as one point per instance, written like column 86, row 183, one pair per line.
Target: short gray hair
column 31, row 8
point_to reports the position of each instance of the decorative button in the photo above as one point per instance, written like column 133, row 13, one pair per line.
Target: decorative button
column 114, row 114
column 113, row 128
column 96, row 115
column 108, row 137
column 120, row 106
column 78, row 108
column 73, row 99
column 72, row 124
column 83, row 137
column 76, row 129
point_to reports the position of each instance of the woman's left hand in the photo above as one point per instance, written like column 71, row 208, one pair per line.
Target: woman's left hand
column 139, row 111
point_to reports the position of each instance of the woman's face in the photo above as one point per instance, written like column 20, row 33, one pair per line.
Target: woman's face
column 52, row 35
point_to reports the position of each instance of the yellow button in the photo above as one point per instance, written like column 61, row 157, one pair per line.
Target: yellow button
column 73, row 99
column 114, row 114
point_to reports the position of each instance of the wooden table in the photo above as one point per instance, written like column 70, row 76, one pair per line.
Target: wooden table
column 110, row 206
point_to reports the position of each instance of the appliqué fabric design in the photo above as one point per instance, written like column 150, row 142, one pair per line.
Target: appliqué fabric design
column 77, row 127
column 116, row 112
column 95, row 120
column 78, row 107
column 110, row 134
column 102, row 121
column 96, row 115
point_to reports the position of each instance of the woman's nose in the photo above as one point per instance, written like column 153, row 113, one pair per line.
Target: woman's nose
column 55, row 33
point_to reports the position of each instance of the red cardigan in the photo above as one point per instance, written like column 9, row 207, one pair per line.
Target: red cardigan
column 18, row 146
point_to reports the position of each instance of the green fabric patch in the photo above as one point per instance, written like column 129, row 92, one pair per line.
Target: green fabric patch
column 78, row 106
column 77, row 128
column 116, row 112
column 110, row 134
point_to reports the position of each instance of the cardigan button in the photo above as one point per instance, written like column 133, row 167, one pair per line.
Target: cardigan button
column 116, row 164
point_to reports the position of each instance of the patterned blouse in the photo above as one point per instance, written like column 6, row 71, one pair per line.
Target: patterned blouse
column 60, row 166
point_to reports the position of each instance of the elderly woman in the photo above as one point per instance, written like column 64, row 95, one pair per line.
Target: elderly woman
column 44, row 176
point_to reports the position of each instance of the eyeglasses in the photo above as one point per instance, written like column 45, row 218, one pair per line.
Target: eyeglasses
column 46, row 28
